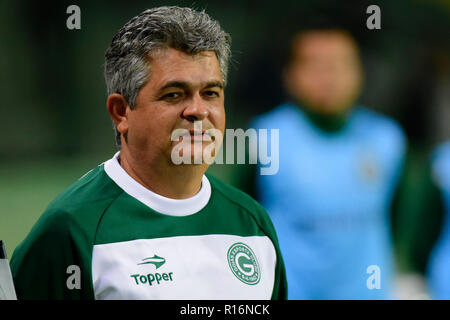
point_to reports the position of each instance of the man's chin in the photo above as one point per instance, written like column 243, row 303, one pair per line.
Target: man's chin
column 330, row 109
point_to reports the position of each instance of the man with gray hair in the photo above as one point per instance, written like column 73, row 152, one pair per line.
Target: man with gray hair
column 140, row 226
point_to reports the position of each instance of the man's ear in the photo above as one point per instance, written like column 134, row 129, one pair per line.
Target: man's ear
column 117, row 108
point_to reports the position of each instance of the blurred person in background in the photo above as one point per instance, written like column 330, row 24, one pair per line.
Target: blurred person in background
column 426, row 245
column 421, row 206
column 339, row 168
column 433, row 224
column 435, row 217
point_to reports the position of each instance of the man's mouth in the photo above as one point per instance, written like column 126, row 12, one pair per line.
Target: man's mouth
column 199, row 135
column 196, row 135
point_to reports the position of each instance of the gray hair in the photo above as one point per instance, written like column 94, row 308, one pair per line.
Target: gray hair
column 126, row 60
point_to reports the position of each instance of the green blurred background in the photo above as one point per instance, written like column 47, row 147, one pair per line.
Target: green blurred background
column 54, row 122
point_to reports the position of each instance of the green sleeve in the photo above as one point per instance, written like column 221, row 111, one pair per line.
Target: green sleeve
column 429, row 225
column 280, row 288
column 417, row 215
column 40, row 263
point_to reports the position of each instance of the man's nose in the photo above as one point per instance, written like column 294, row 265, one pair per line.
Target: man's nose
column 197, row 109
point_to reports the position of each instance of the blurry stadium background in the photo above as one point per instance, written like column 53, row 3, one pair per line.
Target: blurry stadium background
column 56, row 128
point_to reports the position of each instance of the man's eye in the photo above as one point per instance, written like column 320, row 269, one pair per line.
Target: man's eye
column 211, row 93
column 172, row 96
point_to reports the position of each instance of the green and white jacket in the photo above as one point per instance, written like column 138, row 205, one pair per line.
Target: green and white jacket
column 108, row 237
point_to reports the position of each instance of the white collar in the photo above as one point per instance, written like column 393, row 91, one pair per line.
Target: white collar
column 168, row 206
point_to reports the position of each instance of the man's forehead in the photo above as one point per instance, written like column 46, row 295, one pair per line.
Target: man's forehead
column 168, row 53
column 171, row 66
column 317, row 40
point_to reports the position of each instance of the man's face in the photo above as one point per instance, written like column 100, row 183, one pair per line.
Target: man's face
column 182, row 89
column 325, row 72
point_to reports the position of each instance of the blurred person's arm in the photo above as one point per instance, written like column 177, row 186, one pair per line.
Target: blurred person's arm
column 429, row 223
column 417, row 215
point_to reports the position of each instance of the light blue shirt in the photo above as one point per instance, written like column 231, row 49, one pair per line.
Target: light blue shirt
column 330, row 202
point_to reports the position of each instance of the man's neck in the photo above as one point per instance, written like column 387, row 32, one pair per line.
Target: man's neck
column 165, row 179
column 330, row 123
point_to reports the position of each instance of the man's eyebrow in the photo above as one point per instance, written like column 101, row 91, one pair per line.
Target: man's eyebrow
column 185, row 85
column 214, row 84
column 175, row 84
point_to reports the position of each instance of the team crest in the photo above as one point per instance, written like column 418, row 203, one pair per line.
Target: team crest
column 243, row 263
column 370, row 170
